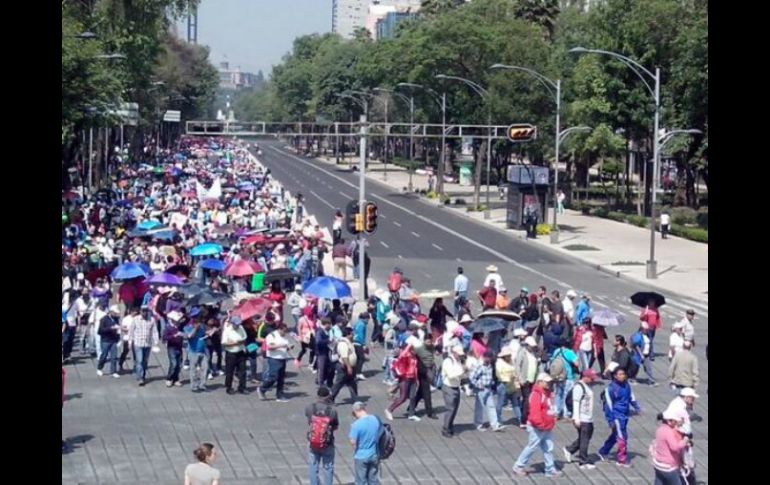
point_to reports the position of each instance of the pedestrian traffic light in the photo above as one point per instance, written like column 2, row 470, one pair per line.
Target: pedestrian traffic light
column 522, row 132
column 370, row 217
column 354, row 221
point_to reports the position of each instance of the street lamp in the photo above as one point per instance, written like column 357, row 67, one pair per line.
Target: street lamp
column 478, row 89
column 441, row 101
column 110, row 57
column 641, row 72
column 554, row 87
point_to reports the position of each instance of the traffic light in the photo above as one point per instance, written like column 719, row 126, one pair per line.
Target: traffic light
column 370, row 217
column 353, row 218
column 520, row 133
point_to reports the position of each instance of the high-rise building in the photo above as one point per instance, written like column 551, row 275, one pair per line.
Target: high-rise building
column 386, row 26
column 348, row 15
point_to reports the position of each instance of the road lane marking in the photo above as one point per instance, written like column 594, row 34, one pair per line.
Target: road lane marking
column 345, row 195
column 437, row 247
column 321, row 199
column 383, row 243
column 400, row 257
column 397, row 223
column 415, row 234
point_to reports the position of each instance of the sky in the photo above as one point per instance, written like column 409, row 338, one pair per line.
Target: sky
column 255, row 34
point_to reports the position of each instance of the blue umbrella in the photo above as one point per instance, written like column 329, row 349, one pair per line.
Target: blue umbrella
column 148, row 224
column 327, row 287
column 247, row 186
column 213, row 264
column 127, row 271
column 164, row 235
column 206, row 249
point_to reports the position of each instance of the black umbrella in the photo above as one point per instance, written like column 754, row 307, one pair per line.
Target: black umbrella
column 280, row 274
column 179, row 268
column 207, row 297
column 506, row 315
column 642, row 298
column 192, row 289
column 487, row 325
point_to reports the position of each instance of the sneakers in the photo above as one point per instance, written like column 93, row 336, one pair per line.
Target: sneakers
column 498, row 428
column 519, row 471
column 389, row 415
column 480, row 428
column 281, row 399
column 169, row 383
column 178, row 383
column 186, row 366
column 116, row 375
column 623, row 465
column 261, row 393
column 567, row 455
column 141, row 383
column 361, row 377
column 315, row 371
column 99, row 373
column 414, row 418
column 602, row 457
column 210, row 376
column 587, row 466
column 446, row 434
column 555, row 474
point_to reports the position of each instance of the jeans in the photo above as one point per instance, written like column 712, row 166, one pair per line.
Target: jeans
column 561, row 389
column 252, row 360
column 452, row 404
column 214, row 367
column 276, row 373
column 325, row 370
column 141, row 358
column 560, row 208
column 585, row 358
column 464, row 295
column 668, row 478
column 68, row 340
column 485, row 401
column 97, row 342
column 109, row 350
column 199, row 367
column 174, row 363
column 368, row 471
column 537, row 439
column 326, row 460
column 502, row 396
column 235, row 362
column 647, row 364
column 618, row 435
column 585, row 432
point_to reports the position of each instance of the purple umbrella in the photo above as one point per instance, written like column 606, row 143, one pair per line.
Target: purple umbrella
column 164, row 279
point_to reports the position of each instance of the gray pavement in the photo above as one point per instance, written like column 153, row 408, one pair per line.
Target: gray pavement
column 121, row 433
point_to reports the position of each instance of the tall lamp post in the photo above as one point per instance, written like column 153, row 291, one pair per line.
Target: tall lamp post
column 441, row 101
column 641, row 72
column 554, row 87
column 483, row 93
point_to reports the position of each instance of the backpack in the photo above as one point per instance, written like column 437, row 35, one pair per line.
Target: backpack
column 633, row 368
column 386, row 441
column 320, row 433
column 394, row 281
column 556, row 369
column 568, row 397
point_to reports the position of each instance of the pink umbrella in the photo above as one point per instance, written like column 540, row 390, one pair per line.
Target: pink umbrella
column 256, row 307
column 242, row 267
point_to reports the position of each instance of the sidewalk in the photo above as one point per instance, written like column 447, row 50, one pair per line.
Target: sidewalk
column 619, row 249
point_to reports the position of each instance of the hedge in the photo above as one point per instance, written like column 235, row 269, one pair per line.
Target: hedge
column 691, row 233
column 697, row 234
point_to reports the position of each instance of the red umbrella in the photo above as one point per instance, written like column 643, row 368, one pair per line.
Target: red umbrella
column 254, row 307
column 255, row 239
column 280, row 239
column 242, row 267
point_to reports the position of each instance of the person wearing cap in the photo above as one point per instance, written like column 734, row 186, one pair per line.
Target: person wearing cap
column 527, row 367
column 453, row 371
column 519, row 334
column 234, row 344
column 509, row 386
column 109, row 331
column 582, row 417
column 297, row 303
column 484, row 383
column 683, row 370
column 540, row 423
column 619, row 402
column 173, row 335
column 345, row 368
column 493, row 275
column 460, row 288
column 689, row 328
column 568, row 306
column 667, row 450
column 519, row 304
column 364, row 436
column 583, row 310
column 143, row 334
column 676, row 340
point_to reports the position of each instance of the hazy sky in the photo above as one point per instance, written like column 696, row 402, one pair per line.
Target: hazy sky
column 255, row 34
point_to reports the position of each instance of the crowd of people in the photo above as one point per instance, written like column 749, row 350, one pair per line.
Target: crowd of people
column 208, row 256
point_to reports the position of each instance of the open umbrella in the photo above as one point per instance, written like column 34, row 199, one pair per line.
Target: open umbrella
column 127, row 271
column 280, row 274
column 501, row 314
column 327, row 287
column 206, row 249
column 207, row 297
column 252, row 308
column 642, row 298
column 279, row 231
column 178, row 269
column 192, row 289
column 487, row 325
column 213, row 264
column 608, row 318
column 224, row 229
column 247, row 186
column 148, row 224
column 243, row 267
column 164, row 279
column 255, row 239
column 166, row 236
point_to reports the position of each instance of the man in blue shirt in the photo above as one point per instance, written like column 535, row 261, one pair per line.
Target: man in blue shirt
column 196, row 352
column 364, row 434
column 359, row 343
column 583, row 309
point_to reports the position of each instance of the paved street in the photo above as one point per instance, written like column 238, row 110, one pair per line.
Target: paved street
column 121, row 433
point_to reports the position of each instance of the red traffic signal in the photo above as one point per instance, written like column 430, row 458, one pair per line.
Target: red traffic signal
column 522, row 132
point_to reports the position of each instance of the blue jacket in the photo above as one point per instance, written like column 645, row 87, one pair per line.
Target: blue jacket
column 552, row 338
column 618, row 401
column 582, row 311
column 359, row 332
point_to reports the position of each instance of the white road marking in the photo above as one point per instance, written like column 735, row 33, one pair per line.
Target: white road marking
column 322, row 200
column 382, row 216
column 459, row 260
column 383, row 243
column 437, row 247
column 397, row 223
column 345, row 195
column 400, row 257
column 415, row 234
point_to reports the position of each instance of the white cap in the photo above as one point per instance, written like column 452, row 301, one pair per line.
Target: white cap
column 678, row 324
column 519, row 332
column 612, row 366
column 530, row 341
column 672, row 414
column 114, row 309
column 458, row 349
column 80, row 276
column 413, row 341
column 451, row 325
column 544, row 377
column 466, row 318
column 571, row 293
column 688, row 392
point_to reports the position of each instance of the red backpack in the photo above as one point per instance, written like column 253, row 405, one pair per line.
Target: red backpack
column 320, row 433
column 394, row 281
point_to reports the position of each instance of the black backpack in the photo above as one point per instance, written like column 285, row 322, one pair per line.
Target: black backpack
column 386, row 441
column 568, row 397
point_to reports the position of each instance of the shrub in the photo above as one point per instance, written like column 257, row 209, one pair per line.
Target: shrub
column 432, row 195
column 683, row 215
column 692, row 233
column 599, row 212
column 543, row 229
column 639, row 221
column 479, row 208
column 460, row 201
column 617, row 216
column 703, row 218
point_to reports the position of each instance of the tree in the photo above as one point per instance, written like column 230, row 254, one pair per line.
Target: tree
column 542, row 13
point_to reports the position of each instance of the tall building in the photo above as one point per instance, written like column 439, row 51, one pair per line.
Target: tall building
column 390, row 12
column 348, row 15
column 386, row 26
column 234, row 78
